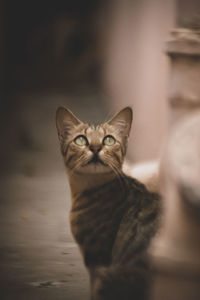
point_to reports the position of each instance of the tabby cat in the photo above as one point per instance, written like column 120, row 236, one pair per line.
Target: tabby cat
column 113, row 216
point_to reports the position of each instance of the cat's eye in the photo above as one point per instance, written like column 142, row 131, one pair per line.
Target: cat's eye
column 81, row 140
column 109, row 140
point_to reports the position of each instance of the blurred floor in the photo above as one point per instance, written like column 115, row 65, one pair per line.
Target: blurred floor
column 39, row 259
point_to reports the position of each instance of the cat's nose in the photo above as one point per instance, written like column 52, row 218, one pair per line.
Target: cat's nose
column 95, row 148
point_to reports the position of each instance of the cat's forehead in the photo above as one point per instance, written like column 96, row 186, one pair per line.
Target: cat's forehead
column 93, row 132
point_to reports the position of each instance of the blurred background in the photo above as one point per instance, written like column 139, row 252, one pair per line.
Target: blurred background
column 94, row 57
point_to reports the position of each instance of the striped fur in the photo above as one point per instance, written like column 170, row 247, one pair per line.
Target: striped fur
column 113, row 226
column 113, row 216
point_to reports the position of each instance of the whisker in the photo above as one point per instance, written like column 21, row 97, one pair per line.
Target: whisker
column 79, row 163
column 116, row 170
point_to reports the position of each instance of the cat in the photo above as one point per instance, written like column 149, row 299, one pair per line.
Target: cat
column 113, row 216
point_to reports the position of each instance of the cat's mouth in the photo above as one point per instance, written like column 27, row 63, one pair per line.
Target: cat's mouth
column 96, row 160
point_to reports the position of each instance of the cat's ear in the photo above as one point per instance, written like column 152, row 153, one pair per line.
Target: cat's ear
column 65, row 121
column 122, row 121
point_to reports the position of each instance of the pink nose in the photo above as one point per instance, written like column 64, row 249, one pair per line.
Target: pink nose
column 95, row 148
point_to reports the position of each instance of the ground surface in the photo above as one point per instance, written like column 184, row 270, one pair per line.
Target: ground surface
column 38, row 258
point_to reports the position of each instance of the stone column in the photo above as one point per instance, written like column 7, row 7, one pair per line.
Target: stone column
column 184, row 89
column 136, row 70
column 175, row 252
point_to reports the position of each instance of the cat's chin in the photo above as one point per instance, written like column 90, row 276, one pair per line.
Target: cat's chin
column 95, row 168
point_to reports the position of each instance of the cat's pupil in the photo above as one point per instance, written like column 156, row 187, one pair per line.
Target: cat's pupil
column 109, row 140
column 81, row 140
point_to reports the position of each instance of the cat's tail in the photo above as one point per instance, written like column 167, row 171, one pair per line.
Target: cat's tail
column 119, row 282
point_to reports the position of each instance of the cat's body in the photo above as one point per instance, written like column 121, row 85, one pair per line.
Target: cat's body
column 113, row 216
column 113, row 224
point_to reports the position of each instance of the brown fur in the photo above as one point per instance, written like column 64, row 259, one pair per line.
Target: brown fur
column 113, row 216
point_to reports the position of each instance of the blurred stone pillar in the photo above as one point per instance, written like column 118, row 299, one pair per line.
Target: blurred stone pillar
column 175, row 252
column 137, row 70
column 184, row 51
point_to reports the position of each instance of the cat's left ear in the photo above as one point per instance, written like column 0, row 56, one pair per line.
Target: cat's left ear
column 65, row 121
column 122, row 122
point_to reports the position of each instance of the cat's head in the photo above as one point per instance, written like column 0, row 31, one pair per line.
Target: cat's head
column 93, row 149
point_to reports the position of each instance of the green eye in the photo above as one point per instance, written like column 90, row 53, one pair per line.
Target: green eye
column 81, row 140
column 109, row 140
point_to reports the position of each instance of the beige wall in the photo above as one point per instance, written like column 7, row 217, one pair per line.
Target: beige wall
column 137, row 69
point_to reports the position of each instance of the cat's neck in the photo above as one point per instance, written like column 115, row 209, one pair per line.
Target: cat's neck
column 80, row 182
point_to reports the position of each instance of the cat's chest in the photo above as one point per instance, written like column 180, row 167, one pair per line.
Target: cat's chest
column 95, row 220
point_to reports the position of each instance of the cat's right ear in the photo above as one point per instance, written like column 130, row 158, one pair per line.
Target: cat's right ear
column 65, row 121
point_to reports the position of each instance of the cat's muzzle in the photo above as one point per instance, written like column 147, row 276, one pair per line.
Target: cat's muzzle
column 96, row 159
